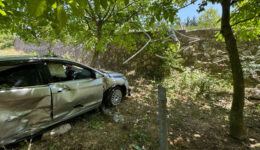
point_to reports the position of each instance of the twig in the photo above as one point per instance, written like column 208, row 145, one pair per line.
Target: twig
column 88, row 23
column 245, row 20
column 140, row 49
column 30, row 145
column 4, row 147
column 110, row 14
column 127, row 6
column 187, row 5
column 91, row 11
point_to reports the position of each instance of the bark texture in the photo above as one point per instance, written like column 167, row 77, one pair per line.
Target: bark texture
column 96, row 54
column 236, row 113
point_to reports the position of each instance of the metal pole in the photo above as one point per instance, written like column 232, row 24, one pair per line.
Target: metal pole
column 162, row 118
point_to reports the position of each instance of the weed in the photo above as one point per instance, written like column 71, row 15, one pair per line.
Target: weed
column 6, row 41
column 96, row 124
column 195, row 83
column 140, row 137
column 53, row 146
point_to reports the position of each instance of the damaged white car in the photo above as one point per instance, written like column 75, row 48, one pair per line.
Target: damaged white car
column 38, row 92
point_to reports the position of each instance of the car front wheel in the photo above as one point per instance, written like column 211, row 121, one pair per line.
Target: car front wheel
column 114, row 96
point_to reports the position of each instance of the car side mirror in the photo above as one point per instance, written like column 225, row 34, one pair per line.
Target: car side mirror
column 98, row 75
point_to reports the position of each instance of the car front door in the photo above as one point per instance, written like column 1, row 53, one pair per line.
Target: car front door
column 25, row 100
column 74, row 89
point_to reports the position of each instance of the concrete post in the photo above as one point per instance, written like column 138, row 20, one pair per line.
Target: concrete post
column 162, row 118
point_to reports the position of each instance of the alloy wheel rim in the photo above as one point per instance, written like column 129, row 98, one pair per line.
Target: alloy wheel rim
column 116, row 97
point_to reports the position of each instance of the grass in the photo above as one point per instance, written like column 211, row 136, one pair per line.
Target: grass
column 198, row 107
column 200, row 123
column 6, row 45
column 10, row 51
column 6, row 40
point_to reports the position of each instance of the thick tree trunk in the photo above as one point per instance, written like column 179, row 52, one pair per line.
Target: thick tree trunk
column 236, row 113
column 95, row 59
column 97, row 51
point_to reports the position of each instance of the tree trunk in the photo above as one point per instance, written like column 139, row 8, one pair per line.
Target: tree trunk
column 96, row 50
column 236, row 113
column 95, row 59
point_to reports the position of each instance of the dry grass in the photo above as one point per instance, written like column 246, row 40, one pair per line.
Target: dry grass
column 199, row 124
column 193, row 124
column 10, row 51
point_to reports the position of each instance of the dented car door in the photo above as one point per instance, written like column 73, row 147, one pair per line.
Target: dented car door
column 25, row 101
column 74, row 90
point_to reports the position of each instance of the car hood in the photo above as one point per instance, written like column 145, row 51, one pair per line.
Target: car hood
column 115, row 74
column 112, row 74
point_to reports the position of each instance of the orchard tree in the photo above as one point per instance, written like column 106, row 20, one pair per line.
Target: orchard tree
column 246, row 17
column 89, row 22
column 92, row 21
column 209, row 18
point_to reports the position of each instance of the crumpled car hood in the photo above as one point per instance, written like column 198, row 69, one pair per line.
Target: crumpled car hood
column 115, row 74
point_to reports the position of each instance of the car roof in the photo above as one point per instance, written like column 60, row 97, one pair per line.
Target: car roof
column 28, row 57
column 38, row 58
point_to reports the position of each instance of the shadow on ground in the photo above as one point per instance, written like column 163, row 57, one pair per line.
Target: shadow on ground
column 193, row 124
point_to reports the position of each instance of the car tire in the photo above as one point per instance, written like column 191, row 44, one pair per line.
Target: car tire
column 113, row 97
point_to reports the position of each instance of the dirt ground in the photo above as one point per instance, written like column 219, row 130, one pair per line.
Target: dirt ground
column 193, row 124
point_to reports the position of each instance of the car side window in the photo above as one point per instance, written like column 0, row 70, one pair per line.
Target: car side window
column 68, row 72
column 19, row 76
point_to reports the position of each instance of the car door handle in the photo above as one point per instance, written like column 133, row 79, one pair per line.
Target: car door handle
column 62, row 89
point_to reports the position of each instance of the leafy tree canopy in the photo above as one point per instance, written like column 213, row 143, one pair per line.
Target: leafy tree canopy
column 90, row 22
column 245, row 19
column 209, row 18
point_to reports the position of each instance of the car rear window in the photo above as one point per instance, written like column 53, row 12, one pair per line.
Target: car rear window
column 19, row 76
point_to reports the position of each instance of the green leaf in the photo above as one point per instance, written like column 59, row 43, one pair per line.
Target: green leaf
column 2, row 12
column 10, row 11
column 54, row 5
column 158, row 16
column 2, row 4
column 104, row 3
column 82, row 3
column 171, row 18
column 97, row 5
column 126, row 2
column 111, row 2
column 152, row 21
column 165, row 15
column 37, row 7
column 61, row 15
column 75, row 10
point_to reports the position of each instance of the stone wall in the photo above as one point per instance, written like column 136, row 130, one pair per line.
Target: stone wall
column 209, row 54
column 206, row 53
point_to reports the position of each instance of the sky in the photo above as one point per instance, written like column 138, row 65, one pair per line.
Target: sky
column 191, row 10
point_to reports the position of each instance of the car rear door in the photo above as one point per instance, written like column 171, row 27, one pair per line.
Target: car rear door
column 74, row 89
column 25, row 100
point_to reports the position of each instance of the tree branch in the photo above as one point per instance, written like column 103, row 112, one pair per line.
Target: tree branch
column 107, row 12
column 88, row 23
column 245, row 20
column 234, row 1
column 187, row 5
column 127, row 5
column 92, row 18
column 110, row 14
column 92, row 11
